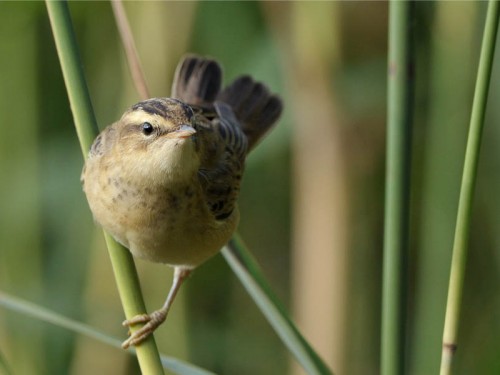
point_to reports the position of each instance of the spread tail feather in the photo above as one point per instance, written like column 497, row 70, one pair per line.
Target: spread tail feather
column 255, row 107
column 197, row 81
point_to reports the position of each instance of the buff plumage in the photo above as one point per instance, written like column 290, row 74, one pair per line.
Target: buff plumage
column 164, row 179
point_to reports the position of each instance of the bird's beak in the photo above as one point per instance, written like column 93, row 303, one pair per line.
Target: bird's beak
column 184, row 131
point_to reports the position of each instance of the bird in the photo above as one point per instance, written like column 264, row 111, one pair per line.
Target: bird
column 164, row 180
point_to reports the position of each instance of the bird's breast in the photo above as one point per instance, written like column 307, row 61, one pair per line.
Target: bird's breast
column 168, row 223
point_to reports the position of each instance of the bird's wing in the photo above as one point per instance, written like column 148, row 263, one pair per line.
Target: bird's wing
column 103, row 142
column 223, row 150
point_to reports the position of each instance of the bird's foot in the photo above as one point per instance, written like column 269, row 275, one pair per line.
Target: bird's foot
column 153, row 321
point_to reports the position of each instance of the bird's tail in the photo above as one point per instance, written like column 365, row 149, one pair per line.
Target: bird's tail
column 198, row 82
column 255, row 107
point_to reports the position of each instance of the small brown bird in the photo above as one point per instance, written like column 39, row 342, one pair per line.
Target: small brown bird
column 164, row 179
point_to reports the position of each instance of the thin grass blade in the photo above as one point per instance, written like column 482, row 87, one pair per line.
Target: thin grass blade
column 33, row 310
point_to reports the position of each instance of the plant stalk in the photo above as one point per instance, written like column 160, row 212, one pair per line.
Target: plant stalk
column 130, row 50
column 248, row 271
column 397, row 190
column 464, row 215
column 86, row 126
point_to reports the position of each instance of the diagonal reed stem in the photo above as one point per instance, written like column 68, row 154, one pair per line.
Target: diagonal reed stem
column 397, row 190
column 35, row 311
column 248, row 271
column 129, row 45
column 86, row 126
column 464, row 215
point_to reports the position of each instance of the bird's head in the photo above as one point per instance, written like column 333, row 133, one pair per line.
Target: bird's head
column 158, row 135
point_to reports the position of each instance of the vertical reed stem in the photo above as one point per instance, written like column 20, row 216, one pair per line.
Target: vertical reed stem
column 397, row 190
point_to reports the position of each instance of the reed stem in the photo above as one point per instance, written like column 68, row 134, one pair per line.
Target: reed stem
column 86, row 126
column 464, row 215
column 397, row 190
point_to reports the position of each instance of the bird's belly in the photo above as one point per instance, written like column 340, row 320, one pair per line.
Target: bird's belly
column 178, row 245
column 172, row 226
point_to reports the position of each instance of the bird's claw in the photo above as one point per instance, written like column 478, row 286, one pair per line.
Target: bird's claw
column 152, row 321
column 141, row 318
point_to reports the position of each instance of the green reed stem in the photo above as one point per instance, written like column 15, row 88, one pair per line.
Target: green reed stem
column 86, row 127
column 397, row 190
column 248, row 271
column 83, row 115
column 464, row 215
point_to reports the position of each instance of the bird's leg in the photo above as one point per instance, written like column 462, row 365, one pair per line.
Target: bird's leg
column 157, row 317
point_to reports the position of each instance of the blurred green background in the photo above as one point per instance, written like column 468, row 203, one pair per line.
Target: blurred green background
column 312, row 199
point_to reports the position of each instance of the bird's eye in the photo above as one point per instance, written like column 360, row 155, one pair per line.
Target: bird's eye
column 147, row 128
